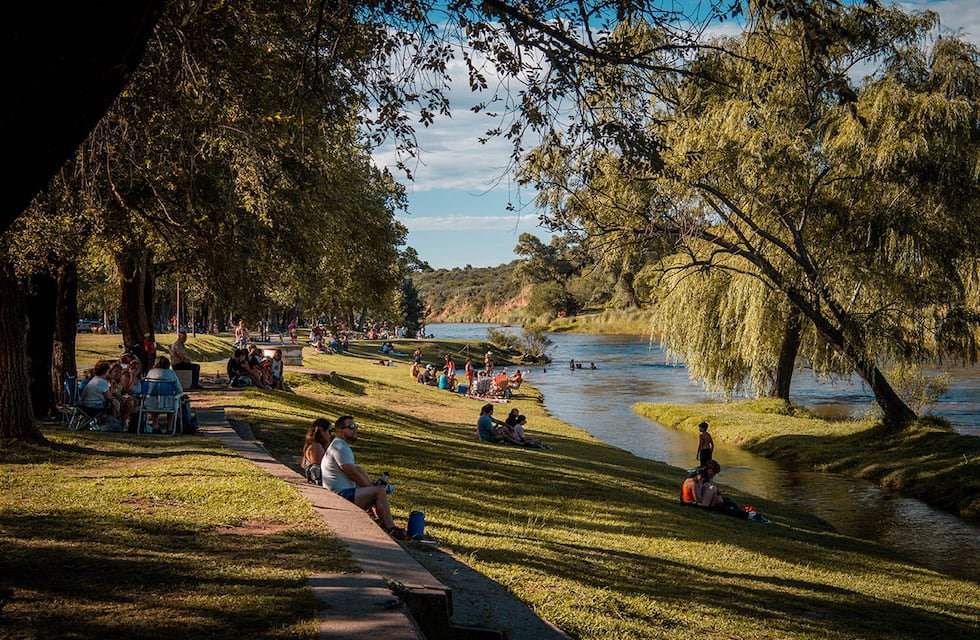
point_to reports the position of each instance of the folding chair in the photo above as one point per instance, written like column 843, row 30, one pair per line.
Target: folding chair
column 75, row 416
column 69, row 399
column 159, row 397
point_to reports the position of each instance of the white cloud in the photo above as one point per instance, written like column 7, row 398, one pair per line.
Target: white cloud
column 957, row 17
column 468, row 223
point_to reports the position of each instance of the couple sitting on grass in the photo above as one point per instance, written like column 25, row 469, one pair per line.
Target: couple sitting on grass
column 510, row 431
column 699, row 490
column 327, row 449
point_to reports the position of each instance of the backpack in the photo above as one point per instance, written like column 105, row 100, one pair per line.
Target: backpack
column 314, row 475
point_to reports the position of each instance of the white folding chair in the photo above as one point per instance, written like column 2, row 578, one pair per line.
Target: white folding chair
column 158, row 397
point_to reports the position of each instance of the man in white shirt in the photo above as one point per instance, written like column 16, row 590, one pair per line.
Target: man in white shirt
column 351, row 481
column 180, row 359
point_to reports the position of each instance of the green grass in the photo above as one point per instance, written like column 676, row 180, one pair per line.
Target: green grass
column 203, row 348
column 118, row 536
column 591, row 537
column 926, row 460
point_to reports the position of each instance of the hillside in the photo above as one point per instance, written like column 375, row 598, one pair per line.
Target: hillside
column 472, row 294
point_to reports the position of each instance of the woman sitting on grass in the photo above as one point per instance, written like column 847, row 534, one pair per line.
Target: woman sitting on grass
column 317, row 440
column 519, row 433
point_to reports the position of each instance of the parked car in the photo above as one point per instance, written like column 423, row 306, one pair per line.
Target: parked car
column 86, row 326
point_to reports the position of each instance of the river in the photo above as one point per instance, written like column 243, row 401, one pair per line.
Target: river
column 631, row 369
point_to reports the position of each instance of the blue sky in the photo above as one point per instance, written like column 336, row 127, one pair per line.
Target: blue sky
column 458, row 199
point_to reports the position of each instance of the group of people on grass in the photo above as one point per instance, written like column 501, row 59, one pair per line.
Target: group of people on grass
column 509, row 431
column 112, row 392
column 444, row 379
column 328, row 461
column 249, row 367
column 699, row 488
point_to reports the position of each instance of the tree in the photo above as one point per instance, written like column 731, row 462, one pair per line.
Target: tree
column 843, row 199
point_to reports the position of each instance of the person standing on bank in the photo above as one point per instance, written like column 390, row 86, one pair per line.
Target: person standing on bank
column 706, row 445
column 181, row 360
column 351, row 482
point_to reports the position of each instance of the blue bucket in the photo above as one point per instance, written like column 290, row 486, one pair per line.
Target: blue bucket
column 462, row 388
column 416, row 524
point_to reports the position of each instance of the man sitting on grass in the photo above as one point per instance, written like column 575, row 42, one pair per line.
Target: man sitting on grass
column 351, row 481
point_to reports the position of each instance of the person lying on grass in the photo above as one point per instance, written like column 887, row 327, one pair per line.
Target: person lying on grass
column 351, row 481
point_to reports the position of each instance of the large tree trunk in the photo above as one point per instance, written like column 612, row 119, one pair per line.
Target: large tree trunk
column 16, row 417
column 40, row 309
column 134, row 280
column 65, row 323
column 792, row 332
column 895, row 411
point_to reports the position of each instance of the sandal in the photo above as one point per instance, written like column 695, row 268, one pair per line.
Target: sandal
column 399, row 534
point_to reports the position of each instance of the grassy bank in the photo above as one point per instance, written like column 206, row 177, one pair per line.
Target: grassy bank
column 926, row 460
column 609, row 321
column 591, row 537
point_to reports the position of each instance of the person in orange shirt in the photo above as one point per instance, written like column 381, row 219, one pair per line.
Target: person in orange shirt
column 691, row 489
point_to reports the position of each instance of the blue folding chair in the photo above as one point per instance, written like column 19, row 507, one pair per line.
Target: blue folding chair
column 159, row 397
column 75, row 416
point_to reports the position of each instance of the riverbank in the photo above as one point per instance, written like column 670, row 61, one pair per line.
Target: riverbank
column 590, row 536
column 636, row 322
column 593, row 538
column 926, row 460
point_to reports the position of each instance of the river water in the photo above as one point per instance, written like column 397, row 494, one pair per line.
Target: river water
column 631, row 369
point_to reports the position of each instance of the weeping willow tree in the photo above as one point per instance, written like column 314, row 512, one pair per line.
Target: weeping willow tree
column 854, row 207
column 733, row 331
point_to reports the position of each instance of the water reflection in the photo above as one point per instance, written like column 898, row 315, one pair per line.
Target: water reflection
column 631, row 369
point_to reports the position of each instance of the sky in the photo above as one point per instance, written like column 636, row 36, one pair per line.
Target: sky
column 465, row 209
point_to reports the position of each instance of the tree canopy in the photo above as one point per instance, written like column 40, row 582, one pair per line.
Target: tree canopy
column 841, row 197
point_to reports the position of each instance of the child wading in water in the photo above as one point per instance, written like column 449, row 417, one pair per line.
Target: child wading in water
column 706, row 446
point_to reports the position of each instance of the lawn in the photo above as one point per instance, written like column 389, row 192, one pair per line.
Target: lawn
column 591, row 537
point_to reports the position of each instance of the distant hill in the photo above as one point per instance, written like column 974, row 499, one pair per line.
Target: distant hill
column 472, row 294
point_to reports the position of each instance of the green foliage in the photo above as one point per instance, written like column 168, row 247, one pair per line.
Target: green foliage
column 532, row 344
column 770, row 166
column 470, row 294
column 919, row 390
column 551, row 298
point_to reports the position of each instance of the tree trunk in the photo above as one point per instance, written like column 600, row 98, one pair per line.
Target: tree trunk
column 133, row 281
column 792, row 332
column 16, row 417
column 895, row 412
column 41, row 303
column 65, row 323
